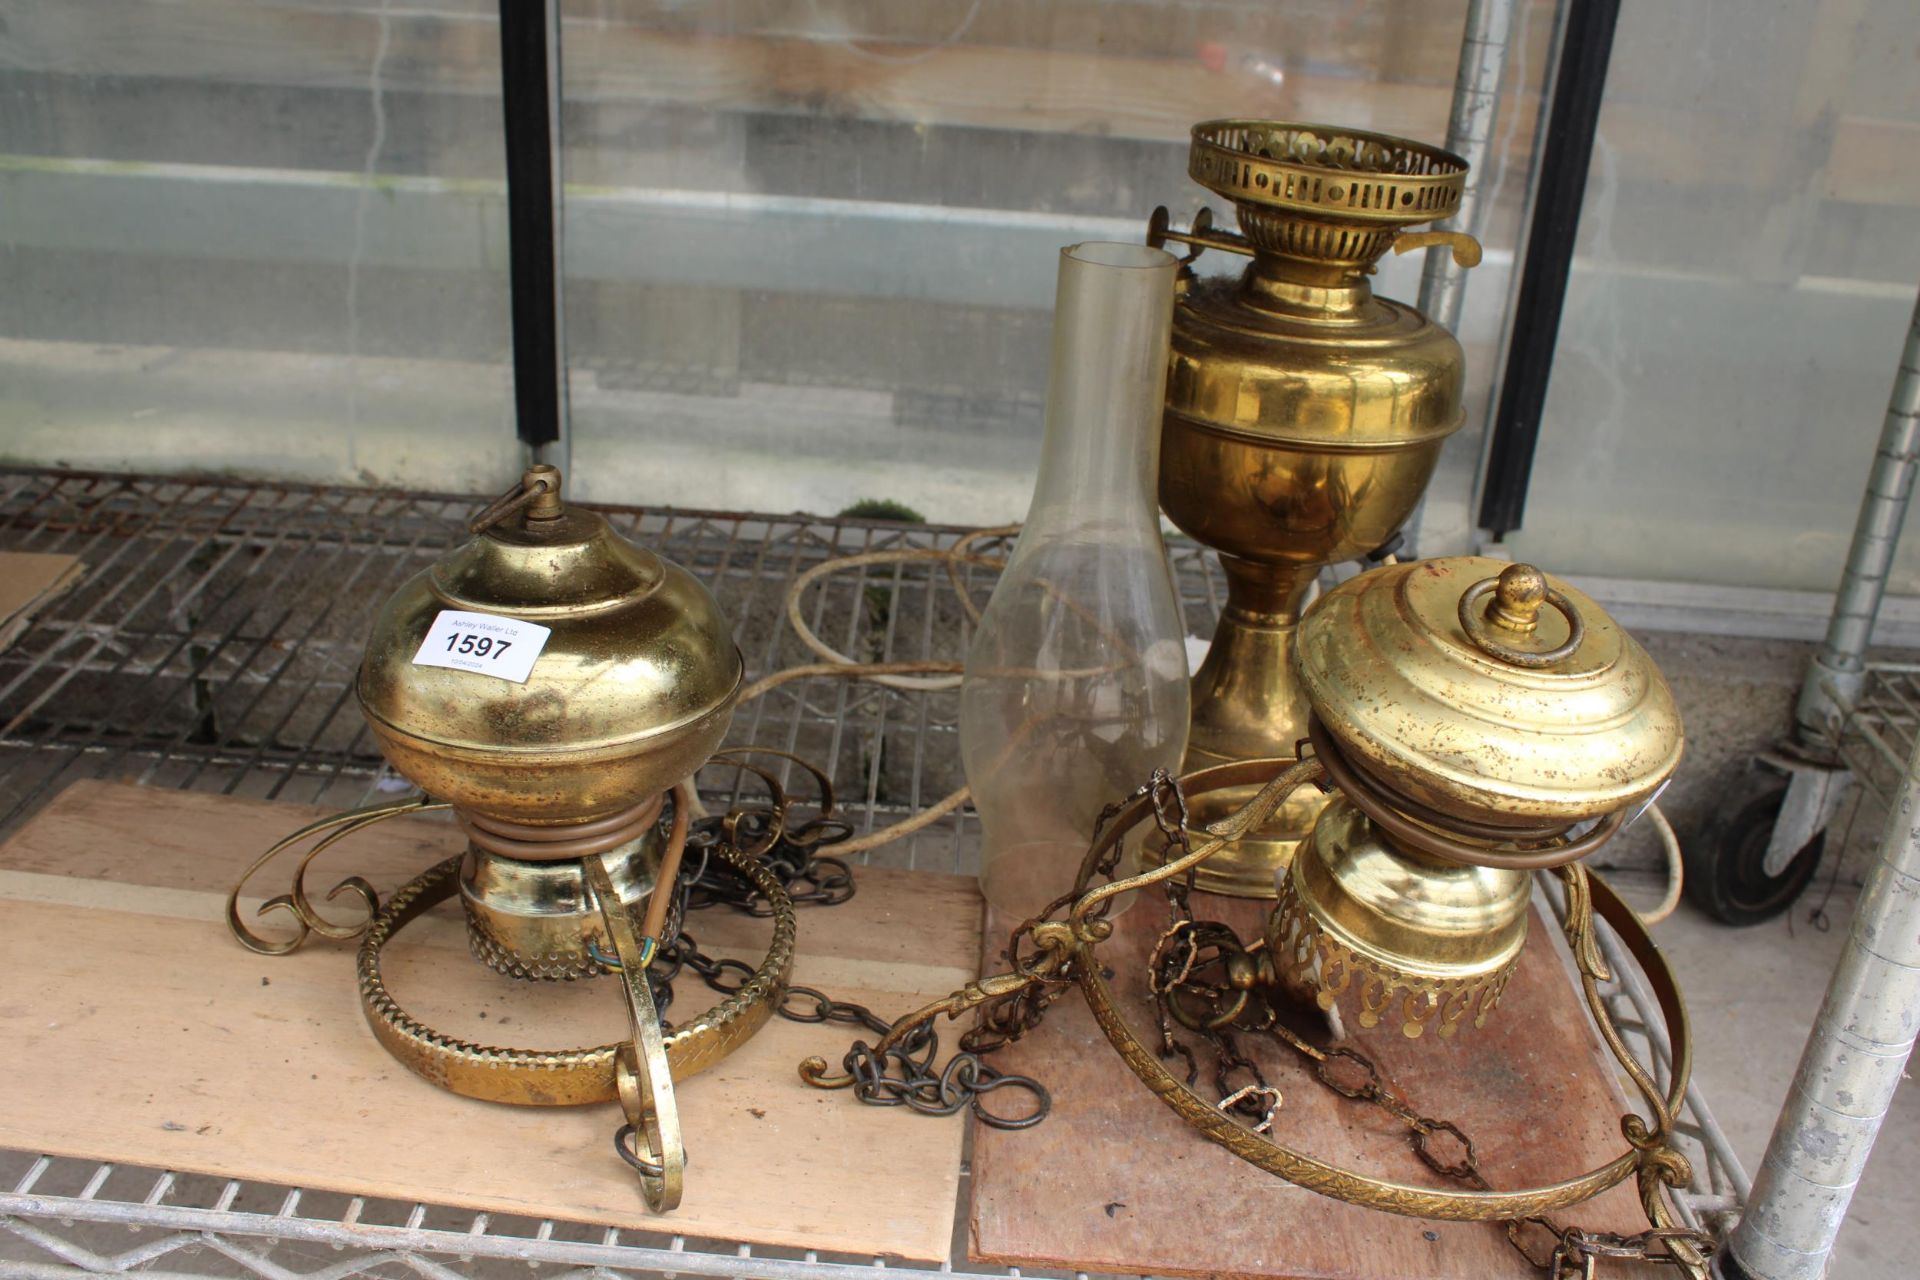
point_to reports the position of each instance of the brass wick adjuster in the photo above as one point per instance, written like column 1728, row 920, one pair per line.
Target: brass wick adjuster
column 1199, row 235
column 1466, row 249
column 1518, row 593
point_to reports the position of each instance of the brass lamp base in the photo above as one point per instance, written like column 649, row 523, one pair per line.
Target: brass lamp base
column 1304, row 417
column 1248, row 706
column 1417, row 941
column 1255, row 865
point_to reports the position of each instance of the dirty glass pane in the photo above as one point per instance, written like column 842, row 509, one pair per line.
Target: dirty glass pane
column 1745, row 271
column 810, row 247
column 259, row 237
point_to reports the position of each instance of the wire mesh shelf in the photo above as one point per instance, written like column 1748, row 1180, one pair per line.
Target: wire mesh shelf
column 210, row 644
column 1877, row 735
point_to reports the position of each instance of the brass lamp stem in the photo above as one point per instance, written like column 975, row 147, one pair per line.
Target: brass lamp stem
column 1243, row 701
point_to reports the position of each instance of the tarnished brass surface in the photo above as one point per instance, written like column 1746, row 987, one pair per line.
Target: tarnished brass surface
column 564, row 1077
column 1062, row 948
column 1428, row 711
column 642, row 1075
column 537, row 919
column 632, row 692
column 1426, row 942
column 1304, row 418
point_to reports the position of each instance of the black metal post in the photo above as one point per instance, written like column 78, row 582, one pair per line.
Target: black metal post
column 1578, row 87
column 530, row 226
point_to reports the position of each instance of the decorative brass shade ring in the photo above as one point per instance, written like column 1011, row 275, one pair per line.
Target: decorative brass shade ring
column 563, row 1077
column 1649, row 1157
column 639, row 1073
column 1288, row 163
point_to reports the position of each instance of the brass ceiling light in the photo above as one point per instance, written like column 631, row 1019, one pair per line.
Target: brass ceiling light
column 1472, row 721
column 1304, row 417
column 1479, row 721
column 557, row 687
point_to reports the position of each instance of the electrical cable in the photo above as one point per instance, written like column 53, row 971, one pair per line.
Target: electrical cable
column 935, row 676
column 1676, row 870
column 924, row 676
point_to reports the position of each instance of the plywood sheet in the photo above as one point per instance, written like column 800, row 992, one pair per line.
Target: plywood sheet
column 1114, row 1181
column 28, row 579
column 135, row 1030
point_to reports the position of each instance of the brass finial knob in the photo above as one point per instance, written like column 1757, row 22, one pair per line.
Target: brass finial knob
column 1518, row 593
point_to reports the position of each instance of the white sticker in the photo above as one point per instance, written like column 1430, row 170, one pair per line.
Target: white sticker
column 482, row 642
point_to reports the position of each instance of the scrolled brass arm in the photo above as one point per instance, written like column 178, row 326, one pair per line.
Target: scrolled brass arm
column 296, row 902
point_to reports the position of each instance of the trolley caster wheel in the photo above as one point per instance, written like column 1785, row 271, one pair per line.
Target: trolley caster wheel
column 1725, row 876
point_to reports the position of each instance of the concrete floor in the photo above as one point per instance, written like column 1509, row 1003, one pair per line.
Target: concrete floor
column 1752, row 994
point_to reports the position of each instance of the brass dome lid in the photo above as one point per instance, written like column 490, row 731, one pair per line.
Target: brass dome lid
column 632, row 689
column 1489, row 691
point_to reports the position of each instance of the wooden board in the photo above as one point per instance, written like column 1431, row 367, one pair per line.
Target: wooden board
column 1115, row 1181
column 28, row 579
column 134, row 1029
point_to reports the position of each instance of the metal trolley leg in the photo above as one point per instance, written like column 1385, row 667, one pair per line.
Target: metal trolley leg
column 1766, row 850
column 1853, row 1061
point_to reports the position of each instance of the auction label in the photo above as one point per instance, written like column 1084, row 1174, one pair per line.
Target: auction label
column 484, row 642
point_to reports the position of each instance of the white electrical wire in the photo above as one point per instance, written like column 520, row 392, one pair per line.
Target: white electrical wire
column 1676, row 869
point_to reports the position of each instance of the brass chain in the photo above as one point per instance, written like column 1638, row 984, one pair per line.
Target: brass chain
column 1190, row 948
column 906, row 1074
column 1185, row 956
column 900, row 1070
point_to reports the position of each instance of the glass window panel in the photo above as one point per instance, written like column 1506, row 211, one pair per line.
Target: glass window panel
column 266, row 237
column 1745, row 270
column 810, row 247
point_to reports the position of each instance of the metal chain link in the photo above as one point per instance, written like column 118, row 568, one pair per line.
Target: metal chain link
column 1205, row 980
column 906, row 1075
column 1189, row 950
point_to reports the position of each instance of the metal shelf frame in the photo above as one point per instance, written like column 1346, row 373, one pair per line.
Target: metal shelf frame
column 210, row 645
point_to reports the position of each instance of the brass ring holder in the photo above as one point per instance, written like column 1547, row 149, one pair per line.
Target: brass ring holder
column 564, row 1077
column 639, row 1073
column 1588, row 895
column 1065, row 951
column 1475, row 623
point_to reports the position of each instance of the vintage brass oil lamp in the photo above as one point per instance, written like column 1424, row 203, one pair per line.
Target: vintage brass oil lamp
column 1478, row 723
column 555, row 686
column 1304, row 417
